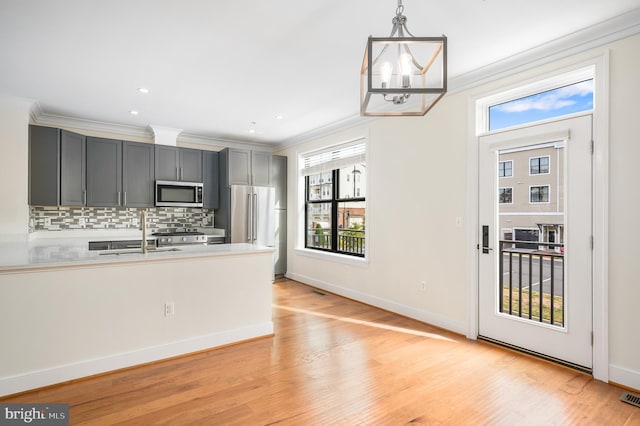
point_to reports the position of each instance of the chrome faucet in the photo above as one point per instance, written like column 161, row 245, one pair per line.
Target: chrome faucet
column 143, row 227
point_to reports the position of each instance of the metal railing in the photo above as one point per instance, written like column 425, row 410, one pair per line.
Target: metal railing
column 532, row 280
column 349, row 240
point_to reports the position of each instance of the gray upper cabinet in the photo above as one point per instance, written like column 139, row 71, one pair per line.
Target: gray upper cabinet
column 211, row 180
column 190, row 165
column 261, row 168
column 44, row 166
column 173, row 163
column 72, row 169
column 104, row 172
column 167, row 162
column 239, row 164
column 245, row 167
column 138, row 174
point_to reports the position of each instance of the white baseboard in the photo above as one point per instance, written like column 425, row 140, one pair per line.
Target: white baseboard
column 62, row 373
column 408, row 311
column 624, row 376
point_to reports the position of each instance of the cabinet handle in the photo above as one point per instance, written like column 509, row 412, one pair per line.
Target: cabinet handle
column 125, row 198
column 177, row 173
column 84, row 197
column 181, row 173
column 119, row 197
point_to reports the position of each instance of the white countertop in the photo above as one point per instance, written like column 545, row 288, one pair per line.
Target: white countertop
column 53, row 253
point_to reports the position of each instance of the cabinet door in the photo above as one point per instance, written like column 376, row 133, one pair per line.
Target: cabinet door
column 44, row 166
column 211, row 179
column 261, row 168
column 167, row 162
column 279, row 180
column 138, row 174
column 104, row 172
column 239, row 167
column 190, row 165
column 72, row 169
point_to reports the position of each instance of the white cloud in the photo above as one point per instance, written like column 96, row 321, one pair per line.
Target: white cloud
column 553, row 100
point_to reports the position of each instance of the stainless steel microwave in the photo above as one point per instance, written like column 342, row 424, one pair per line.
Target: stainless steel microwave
column 178, row 194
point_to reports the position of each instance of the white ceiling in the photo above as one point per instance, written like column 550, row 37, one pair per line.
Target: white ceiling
column 214, row 67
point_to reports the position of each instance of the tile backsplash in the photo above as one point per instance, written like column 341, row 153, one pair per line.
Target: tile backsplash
column 68, row 218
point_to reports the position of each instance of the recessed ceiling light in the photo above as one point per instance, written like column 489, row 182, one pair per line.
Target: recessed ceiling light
column 252, row 129
column 279, row 116
column 143, row 90
column 133, row 112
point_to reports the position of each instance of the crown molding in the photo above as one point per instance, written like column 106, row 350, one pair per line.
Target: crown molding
column 222, row 142
column 336, row 126
column 42, row 118
column 616, row 28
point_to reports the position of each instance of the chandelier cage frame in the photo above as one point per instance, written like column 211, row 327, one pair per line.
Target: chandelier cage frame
column 389, row 100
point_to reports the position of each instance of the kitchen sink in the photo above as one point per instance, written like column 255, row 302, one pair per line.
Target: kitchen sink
column 138, row 251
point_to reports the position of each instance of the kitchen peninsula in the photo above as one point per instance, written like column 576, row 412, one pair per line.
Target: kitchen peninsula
column 72, row 313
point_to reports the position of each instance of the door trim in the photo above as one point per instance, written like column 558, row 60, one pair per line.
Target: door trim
column 600, row 214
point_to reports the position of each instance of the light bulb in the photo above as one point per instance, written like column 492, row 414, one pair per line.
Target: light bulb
column 404, row 62
column 385, row 74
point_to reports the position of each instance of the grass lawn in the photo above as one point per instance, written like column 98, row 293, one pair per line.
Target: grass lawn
column 558, row 306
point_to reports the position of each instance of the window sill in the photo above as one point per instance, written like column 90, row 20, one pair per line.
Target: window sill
column 361, row 262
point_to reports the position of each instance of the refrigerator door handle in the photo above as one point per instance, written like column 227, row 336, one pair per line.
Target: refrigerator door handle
column 249, row 218
column 255, row 217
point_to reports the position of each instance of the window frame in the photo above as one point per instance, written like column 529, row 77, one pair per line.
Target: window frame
column 505, row 187
column 548, row 157
column 334, row 202
column 540, row 186
column 499, row 168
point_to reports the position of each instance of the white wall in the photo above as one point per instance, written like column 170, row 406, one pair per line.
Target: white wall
column 418, row 186
column 14, row 152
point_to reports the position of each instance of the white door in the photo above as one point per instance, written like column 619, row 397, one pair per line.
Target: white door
column 533, row 293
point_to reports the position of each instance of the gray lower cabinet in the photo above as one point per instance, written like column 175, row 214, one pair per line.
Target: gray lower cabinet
column 138, row 174
column 73, row 188
column 211, row 180
column 44, row 166
column 173, row 163
column 246, row 167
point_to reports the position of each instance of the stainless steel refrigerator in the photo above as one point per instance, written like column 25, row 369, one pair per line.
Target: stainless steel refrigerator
column 252, row 215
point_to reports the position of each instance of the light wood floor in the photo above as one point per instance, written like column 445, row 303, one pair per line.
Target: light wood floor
column 336, row 361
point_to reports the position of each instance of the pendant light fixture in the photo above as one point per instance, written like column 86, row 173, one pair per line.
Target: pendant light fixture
column 402, row 74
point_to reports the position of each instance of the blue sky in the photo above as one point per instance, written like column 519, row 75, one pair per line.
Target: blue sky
column 557, row 102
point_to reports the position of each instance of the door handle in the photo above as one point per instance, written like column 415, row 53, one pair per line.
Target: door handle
column 249, row 218
column 485, row 239
column 255, row 217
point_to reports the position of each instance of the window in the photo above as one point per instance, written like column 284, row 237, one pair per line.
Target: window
column 505, row 195
column 335, row 221
column 505, row 168
column 539, row 165
column 565, row 100
column 539, row 194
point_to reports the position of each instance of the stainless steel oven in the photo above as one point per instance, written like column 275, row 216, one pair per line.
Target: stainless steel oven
column 178, row 194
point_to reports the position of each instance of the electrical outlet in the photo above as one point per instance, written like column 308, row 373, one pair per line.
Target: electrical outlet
column 459, row 222
column 169, row 309
column 81, row 221
column 423, row 285
column 47, row 221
